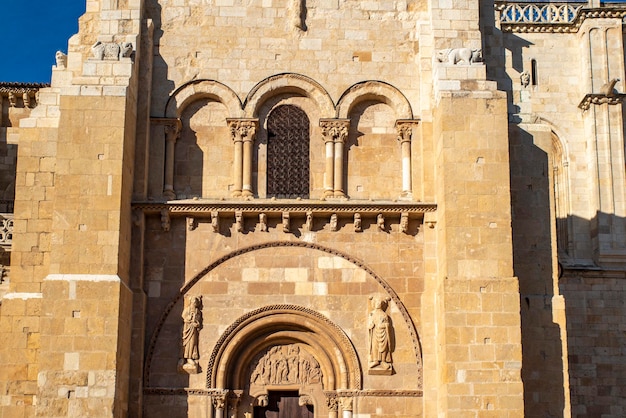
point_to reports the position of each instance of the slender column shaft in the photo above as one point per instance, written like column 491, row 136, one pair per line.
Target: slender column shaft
column 247, row 165
column 338, row 186
column 406, row 167
column 329, row 174
column 171, row 136
column 238, row 167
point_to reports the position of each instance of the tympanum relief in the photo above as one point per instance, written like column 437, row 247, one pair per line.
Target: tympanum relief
column 285, row 365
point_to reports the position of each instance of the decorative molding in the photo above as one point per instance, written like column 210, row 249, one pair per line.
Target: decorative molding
column 599, row 99
column 551, row 17
column 203, row 208
column 331, row 396
column 27, row 91
column 412, row 330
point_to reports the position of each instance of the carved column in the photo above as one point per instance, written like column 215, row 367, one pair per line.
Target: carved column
column 219, row 403
column 332, row 402
column 335, row 132
column 346, row 407
column 234, row 399
column 405, row 132
column 243, row 132
column 172, row 132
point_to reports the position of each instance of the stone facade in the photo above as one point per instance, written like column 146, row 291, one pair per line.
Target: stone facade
column 349, row 208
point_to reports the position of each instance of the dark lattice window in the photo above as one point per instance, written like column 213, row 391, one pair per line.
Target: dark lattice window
column 288, row 152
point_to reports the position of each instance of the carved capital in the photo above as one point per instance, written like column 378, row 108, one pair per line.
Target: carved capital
column 332, row 401
column 404, row 127
column 165, row 220
column 219, row 400
column 346, row 403
column 172, row 130
column 335, row 130
column 242, row 130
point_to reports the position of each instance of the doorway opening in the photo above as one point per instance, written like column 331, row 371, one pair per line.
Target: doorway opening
column 283, row 404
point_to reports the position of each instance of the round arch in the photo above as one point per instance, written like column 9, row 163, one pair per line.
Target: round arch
column 288, row 83
column 198, row 89
column 283, row 324
column 374, row 90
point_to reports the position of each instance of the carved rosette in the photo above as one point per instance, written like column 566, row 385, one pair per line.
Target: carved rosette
column 285, row 365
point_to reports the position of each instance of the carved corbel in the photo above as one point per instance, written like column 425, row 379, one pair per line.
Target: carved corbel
column 215, row 221
column 165, row 220
column 191, row 223
column 26, row 98
column 357, row 223
column 380, row 222
column 286, row 226
column 239, row 221
column 333, row 222
column 12, row 99
column 309, row 221
column 263, row 222
column 404, row 222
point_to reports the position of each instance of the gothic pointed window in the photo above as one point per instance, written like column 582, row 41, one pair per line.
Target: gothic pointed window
column 288, row 153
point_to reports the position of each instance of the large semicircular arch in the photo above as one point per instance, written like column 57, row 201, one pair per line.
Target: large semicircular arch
column 204, row 88
column 276, row 244
column 374, row 90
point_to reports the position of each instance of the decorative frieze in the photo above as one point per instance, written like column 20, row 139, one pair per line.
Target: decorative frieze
column 285, row 365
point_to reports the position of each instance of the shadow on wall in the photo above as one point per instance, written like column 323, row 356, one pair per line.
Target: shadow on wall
column 594, row 314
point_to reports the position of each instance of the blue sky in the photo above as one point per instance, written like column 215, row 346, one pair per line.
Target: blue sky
column 32, row 32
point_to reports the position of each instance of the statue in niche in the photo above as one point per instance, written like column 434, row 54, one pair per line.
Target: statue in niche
column 192, row 323
column 379, row 327
column 286, row 365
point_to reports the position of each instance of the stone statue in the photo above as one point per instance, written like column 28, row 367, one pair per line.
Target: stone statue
column 61, row 60
column 309, row 221
column 379, row 327
column 192, row 323
column 263, row 222
column 525, row 78
column 380, row 222
column 333, row 222
column 460, row 55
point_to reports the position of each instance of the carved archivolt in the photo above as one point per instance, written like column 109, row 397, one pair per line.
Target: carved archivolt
column 258, row 338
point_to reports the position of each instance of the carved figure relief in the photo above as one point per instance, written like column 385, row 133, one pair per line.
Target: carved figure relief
column 380, row 335
column 192, row 323
column 333, row 222
column 263, row 222
column 357, row 223
column 309, row 221
column 239, row 221
column 404, row 222
column 111, row 51
column 460, row 55
column 286, row 365
column 215, row 221
column 380, row 222
column 286, row 222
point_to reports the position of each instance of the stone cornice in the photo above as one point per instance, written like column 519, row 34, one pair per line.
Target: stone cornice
column 204, row 207
column 598, row 99
column 551, row 17
column 164, row 391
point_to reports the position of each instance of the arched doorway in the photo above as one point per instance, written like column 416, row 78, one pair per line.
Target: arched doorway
column 282, row 361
